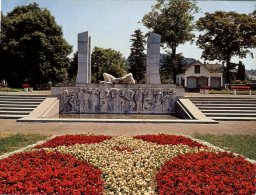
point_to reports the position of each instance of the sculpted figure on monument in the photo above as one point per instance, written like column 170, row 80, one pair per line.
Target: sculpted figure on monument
column 73, row 101
column 93, row 100
column 158, row 101
column 85, row 100
column 129, row 97
column 139, row 99
column 104, row 97
column 80, row 98
column 148, row 100
column 65, row 98
column 115, row 99
column 168, row 100
column 126, row 79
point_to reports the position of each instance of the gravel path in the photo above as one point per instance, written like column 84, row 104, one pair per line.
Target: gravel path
column 228, row 127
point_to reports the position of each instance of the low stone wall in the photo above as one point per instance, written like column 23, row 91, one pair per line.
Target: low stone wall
column 119, row 98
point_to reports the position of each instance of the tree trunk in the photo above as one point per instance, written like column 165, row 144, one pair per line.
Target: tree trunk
column 228, row 76
column 173, row 65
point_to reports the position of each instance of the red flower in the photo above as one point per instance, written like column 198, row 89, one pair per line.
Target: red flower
column 164, row 139
column 69, row 140
column 207, row 173
column 44, row 172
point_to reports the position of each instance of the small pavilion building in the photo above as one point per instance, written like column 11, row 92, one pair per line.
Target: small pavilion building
column 198, row 75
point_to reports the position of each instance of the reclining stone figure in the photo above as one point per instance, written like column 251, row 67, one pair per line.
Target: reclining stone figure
column 126, row 79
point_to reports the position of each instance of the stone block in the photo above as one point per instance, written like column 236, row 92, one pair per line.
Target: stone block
column 153, row 59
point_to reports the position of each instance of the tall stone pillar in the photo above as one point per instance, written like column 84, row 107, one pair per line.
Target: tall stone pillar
column 84, row 68
column 153, row 59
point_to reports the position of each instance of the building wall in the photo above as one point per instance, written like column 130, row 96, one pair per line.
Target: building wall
column 191, row 72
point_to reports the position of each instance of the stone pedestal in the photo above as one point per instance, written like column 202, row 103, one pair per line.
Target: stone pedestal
column 119, row 98
column 84, row 59
column 153, row 59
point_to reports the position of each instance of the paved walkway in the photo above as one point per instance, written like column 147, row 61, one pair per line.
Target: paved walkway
column 227, row 127
column 224, row 127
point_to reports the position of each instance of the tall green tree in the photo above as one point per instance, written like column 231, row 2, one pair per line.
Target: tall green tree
column 34, row 47
column 226, row 35
column 241, row 72
column 106, row 61
column 166, row 68
column 137, row 57
column 72, row 69
column 173, row 20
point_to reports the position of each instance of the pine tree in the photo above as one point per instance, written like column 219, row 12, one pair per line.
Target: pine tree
column 137, row 58
column 240, row 72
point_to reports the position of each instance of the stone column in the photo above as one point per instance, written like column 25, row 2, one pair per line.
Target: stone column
column 89, row 62
column 209, row 81
column 186, row 82
column 83, row 72
column 153, row 59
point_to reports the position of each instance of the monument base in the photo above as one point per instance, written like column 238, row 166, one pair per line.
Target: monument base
column 119, row 98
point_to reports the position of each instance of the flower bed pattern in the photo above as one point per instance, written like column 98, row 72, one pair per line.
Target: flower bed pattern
column 42, row 172
column 69, row 140
column 207, row 173
column 164, row 139
column 130, row 165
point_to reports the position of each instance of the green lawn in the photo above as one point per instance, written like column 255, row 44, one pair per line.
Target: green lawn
column 10, row 143
column 6, row 89
column 241, row 144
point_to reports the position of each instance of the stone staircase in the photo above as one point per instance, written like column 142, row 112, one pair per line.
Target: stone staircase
column 226, row 108
column 18, row 106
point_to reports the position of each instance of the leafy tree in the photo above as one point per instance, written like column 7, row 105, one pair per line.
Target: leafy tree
column 72, row 69
column 173, row 20
column 106, row 60
column 167, row 66
column 137, row 58
column 240, row 72
column 34, row 47
column 226, row 34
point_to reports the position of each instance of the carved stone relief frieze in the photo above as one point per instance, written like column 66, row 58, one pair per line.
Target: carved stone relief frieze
column 117, row 100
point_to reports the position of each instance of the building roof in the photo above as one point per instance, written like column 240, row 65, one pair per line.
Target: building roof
column 212, row 68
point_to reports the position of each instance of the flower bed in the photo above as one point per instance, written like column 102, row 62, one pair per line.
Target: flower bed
column 69, row 140
column 164, row 139
column 207, row 173
column 130, row 165
column 42, row 172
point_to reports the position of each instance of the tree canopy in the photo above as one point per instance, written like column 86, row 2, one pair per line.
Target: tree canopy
column 225, row 35
column 137, row 57
column 33, row 45
column 173, row 20
column 106, row 60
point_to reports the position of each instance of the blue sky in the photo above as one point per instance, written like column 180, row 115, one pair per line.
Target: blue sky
column 111, row 22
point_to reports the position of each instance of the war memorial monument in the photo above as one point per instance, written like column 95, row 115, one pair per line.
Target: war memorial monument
column 118, row 95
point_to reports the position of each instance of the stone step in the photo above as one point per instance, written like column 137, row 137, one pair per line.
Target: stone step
column 14, row 105
column 14, row 112
column 224, row 102
column 219, row 98
column 222, row 97
column 230, row 114
column 23, row 96
column 225, row 108
column 233, row 118
column 227, row 105
column 20, row 102
column 229, row 111
column 16, row 109
column 17, row 116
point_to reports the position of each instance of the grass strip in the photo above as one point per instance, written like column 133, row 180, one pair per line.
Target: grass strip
column 10, row 143
column 241, row 144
